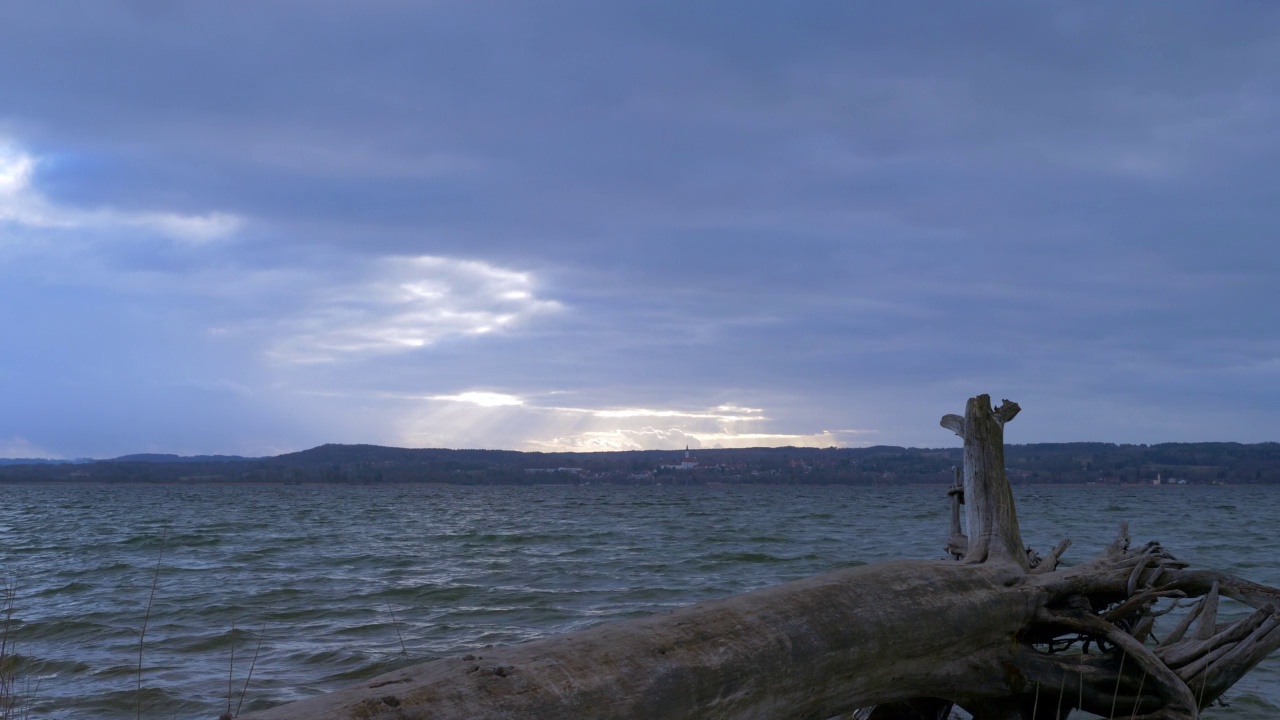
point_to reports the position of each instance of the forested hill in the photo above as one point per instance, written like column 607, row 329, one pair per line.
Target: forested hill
column 1190, row 463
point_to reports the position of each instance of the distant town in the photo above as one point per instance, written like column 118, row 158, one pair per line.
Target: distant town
column 1044, row 463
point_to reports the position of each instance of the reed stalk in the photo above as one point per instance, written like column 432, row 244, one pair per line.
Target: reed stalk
column 396, row 624
column 231, row 664
column 1119, row 674
column 8, row 663
column 155, row 581
column 249, row 676
column 16, row 697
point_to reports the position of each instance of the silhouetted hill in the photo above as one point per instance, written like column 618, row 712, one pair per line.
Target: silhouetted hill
column 164, row 458
column 1094, row 462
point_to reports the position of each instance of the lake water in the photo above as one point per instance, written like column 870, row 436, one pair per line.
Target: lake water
column 342, row 583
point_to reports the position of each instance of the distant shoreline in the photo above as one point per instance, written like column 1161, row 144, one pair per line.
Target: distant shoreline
column 1033, row 464
column 707, row 485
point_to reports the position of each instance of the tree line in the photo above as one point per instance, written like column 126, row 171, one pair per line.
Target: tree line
column 1039, row 463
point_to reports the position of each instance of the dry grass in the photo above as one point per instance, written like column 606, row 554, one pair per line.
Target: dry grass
column 229, row 715
column 16, row 696
column 8, row 664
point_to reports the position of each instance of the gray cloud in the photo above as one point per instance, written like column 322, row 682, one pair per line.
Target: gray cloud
column 849, row 216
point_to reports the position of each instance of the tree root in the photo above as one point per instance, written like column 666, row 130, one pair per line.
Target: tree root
column 995, row 629
column 1091, row 645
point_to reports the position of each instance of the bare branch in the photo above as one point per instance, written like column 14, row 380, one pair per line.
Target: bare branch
column 954, row 423
column 1049, row 562
column 1007, row 411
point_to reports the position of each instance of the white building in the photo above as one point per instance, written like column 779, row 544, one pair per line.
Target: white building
column 689, row 462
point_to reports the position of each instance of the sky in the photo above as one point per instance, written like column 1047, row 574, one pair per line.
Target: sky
column 253, row 228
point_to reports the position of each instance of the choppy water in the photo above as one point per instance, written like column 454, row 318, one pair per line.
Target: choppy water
column 317, row 573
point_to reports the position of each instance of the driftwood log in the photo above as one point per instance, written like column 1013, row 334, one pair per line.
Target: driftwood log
column 996, row 629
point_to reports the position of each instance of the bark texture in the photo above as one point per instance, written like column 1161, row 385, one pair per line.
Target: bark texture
column 995, row 629
column 807, row 649
column 990, row 514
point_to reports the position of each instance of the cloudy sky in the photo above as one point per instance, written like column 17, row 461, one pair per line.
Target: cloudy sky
column 254, row 228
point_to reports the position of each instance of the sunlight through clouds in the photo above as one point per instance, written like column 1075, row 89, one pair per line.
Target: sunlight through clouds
column 15, row 170
column 700, row 237
column 22, row 204
column 19, row 202
column 483, row 399
column 648, row 413
column 406, row 303
column 649, row 438
column 193, row 229
column 455, row 420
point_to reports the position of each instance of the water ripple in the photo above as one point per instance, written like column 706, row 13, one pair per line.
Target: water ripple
column 333, row 584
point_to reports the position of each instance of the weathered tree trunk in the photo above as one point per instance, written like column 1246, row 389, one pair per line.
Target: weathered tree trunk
column 1003, row 634
column 811, row 648
column 990, row 514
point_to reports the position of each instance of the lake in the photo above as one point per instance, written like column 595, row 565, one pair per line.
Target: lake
column 333, row 584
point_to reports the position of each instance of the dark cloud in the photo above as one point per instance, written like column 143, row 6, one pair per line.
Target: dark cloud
column 850, row 215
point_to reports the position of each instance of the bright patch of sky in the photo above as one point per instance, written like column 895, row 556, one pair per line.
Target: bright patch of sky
column 484, row 399
column 24, row 207
column 407, row 303
column 571, row 224
column 525, row 424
